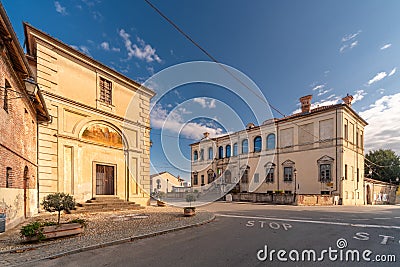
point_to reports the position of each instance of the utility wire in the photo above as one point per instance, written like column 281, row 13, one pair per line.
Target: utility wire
column 387, row 166
column 222, row 66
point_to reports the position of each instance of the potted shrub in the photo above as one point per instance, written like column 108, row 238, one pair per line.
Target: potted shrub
column 190, row 211
column 160, row 196
column 42, row 230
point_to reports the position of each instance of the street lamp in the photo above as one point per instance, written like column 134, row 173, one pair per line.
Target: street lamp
column 31, row 86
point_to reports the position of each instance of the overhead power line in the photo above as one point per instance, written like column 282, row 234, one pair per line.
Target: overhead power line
column 221, row 65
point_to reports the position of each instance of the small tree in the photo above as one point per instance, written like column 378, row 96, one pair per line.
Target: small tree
column 58, row 202
column 190, row 198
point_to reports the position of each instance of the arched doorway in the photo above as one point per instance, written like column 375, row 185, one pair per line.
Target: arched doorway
column 210, row 176
column 369, row 200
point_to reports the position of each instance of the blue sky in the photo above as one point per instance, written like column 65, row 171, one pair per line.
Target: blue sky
column 288, row 48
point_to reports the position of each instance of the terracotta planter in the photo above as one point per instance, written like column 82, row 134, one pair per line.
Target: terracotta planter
column 189, row 211
column 161, row 203
column 55, row 231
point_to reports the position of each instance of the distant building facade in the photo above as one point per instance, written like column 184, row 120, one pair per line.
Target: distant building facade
column 98, row 140
column 167, row 182
column 316, row 151
column 20, row 112
column 379, row 192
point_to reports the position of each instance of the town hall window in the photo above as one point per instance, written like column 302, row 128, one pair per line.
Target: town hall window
column 288, row 174
column 195, row 155
column 271, row 141
column 220, row 152
column 210, row 153
column 245, row 146
column 257, row 144
column 269, row 178
column 235, row 149
column 228, row 151
column 105, row 91
column 325, row 174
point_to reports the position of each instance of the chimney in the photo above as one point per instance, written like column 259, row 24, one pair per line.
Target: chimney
column 305, row 102
column 347, row 99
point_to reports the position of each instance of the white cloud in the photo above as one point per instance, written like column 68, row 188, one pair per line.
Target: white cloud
column 393, row 71
column 60, row 9
column 358, row 95
column 386, row 46
column 379, row 76
column 319, row 86
column 174, row 122
column 105, row 46
column 342, row 48
column 331, row 100
column 383, row 129
column 115, row 49
column 143, row 51
column 82, row 48
column 349, row 42
column 322, row 92
column 204, row 102
column 353, row 44
column 350, row 36
column 381, row 91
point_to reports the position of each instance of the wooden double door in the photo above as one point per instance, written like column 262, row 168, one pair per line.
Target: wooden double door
column 105, row 179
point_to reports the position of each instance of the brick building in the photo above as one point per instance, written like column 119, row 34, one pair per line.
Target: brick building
column 20, row 111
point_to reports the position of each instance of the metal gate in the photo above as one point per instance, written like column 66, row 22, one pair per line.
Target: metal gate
column 104, row 180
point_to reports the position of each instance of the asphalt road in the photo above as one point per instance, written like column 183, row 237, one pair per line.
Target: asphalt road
column 264, row 235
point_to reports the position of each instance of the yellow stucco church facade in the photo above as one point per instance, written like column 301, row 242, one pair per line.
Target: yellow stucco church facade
column 97, row 142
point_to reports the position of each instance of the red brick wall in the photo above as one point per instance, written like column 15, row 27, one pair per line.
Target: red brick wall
column 18, row 139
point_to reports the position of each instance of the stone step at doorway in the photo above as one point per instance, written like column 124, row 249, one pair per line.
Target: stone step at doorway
column 106, row 203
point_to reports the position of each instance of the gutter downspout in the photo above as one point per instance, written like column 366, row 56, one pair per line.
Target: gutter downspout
column 336, row 148
column 277, row 154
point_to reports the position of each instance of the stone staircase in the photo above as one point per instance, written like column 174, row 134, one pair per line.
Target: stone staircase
column 106, row 203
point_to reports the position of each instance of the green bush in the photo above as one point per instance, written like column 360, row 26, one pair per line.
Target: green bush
column 58, row 202
column 33, row 229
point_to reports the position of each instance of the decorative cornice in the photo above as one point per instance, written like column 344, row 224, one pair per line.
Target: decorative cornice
column 105, row 113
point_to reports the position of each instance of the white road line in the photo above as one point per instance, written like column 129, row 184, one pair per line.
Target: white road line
column 311, row 221
column 301, row 218
column 360, row 219
column 397, row 217
column 382, row 218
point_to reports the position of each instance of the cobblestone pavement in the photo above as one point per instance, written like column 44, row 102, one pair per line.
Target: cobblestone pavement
column 103, row 228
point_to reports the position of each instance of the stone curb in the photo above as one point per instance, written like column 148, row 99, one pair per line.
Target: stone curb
column 115, row 242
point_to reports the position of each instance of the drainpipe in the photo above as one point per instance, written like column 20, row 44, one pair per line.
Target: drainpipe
column 37, row 162
column 277, row 153
column 336, row 148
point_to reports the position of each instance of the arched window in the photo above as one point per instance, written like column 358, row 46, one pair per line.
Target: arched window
column 195, row 155
column 228, row 151
column 235, row 149
column 257, row 144
column 245, row 146
column 271, row 141
column 220, row 152
column 210, row 153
